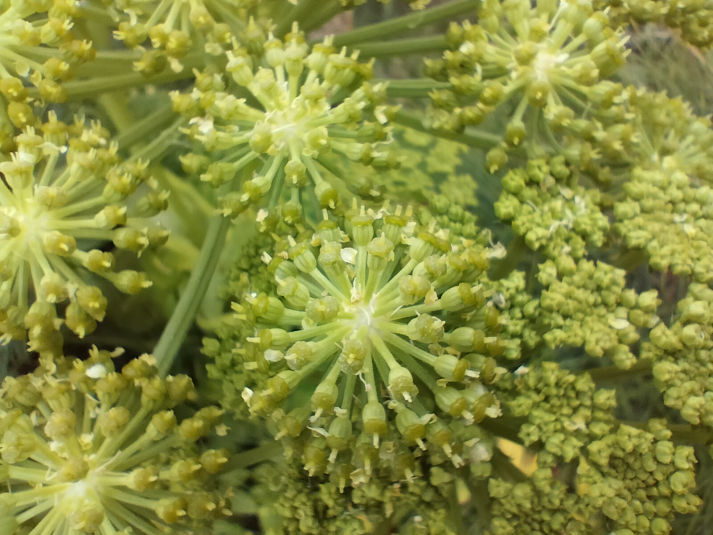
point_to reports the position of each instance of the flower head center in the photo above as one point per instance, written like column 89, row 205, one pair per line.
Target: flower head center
column 363, row 315
column 545, row 62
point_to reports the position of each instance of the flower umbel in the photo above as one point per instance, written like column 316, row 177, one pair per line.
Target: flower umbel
column 395, row 320
column 87, row 449
column 63, row 193
column 271, row 121
column 546, row 59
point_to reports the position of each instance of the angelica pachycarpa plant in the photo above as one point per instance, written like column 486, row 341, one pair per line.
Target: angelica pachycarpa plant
column 416, row 267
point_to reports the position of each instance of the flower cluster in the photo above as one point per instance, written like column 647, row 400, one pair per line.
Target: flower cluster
column 672, row 139
column 563, row 411
column 38, row 43
column 668, row 215
column 88, row 449
column 271, row 120
column 680, row 356
column 588, row 305
column 168, row 34
column 65, row 190
column 546, row 61
column 621, row 477
column 691, row 17
column 478, row 301
column 292, row 503
column 548, row 208
column 629, row 481
column 396, row 322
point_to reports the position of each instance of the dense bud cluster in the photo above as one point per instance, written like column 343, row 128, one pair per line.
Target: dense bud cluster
column 669, row 215
column 692, row 18
column 88, row 449
column 271, row 120
column 540, row 504
column 292, row 503
column 680, row 354
column 64, row 191
column 638, row 479
column 518, row 312
column 548, row 208
column 396, row 321
column 594, row 474
column 587, row 304
column 563, row 411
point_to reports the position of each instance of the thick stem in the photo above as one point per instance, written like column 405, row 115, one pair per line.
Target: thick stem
column 264, row 452
column 80, row 89
column 685, row 433
column 320, row 17
column 612, row 373
column 145, row 128
column 481, row 502
column 456, row 511
column 516, row 252
column 175, row 331
column 4, row 359
column 153, row 149
column 400, row 47
column 116, row 108
column 413, row 88
column 472, row 138
column 296, row 14
column 406, row 23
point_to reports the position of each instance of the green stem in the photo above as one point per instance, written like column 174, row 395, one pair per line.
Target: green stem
column 102, row 58
column 501, row 429
column 263, row 452
column 610, row 373
column 159, row 144
column 182, row 318
column 685, row 433
column 114, row 103
column 296, row 14
column 80, row 89
column 412, row 88
column 481, row 502
column 473, row 138
column 456, row 510
column 516, row 252
column 406, row 23
column 146, row 127
column 320, row 16
column 96, row 13
column 400, row 47
column 116, row 108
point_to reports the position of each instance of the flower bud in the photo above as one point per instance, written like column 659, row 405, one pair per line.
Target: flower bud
column 401, row 384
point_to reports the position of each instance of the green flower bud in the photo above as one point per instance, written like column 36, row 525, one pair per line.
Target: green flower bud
column 425, row 328
column 410, row 425
column 450, row 367
column 325, row 396
column 401, row 384
column 467, row 339
column 299, row 355
column 374, row 418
